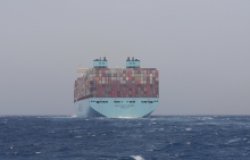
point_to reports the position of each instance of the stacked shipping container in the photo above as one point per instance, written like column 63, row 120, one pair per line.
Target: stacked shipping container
column 117, row 82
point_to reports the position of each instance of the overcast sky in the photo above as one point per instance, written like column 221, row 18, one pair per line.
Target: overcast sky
column 201, row 48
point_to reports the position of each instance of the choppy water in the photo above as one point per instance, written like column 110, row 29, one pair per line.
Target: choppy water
column 156, row 138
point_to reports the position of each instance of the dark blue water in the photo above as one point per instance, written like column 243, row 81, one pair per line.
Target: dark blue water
column 156, row 138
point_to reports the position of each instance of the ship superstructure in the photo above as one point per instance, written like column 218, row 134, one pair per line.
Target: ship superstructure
column 130, row 92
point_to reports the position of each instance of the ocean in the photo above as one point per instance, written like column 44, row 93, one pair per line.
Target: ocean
column 154, row 138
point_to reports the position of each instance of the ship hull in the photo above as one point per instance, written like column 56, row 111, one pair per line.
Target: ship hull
column 116, row 107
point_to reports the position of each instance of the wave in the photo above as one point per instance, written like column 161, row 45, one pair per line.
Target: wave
column 137, row 157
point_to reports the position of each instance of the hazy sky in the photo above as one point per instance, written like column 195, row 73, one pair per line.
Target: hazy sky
column 201, row 48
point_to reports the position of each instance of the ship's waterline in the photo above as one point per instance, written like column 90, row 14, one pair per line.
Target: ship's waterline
column 116, row 107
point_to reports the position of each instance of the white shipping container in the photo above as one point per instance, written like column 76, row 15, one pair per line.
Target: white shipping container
column 151, row 80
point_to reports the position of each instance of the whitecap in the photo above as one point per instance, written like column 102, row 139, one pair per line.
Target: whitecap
column 233, row 140
column 137, row 157
column 206, row 118
column 188, row 129
column 188, row 143
column 38, row 152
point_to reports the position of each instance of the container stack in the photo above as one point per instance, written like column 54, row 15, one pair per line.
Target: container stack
column 117, row 82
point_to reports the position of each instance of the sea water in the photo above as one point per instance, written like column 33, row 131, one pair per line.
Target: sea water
column 154, row 138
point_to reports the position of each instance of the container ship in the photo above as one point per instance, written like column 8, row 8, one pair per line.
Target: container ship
column 131, row 92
